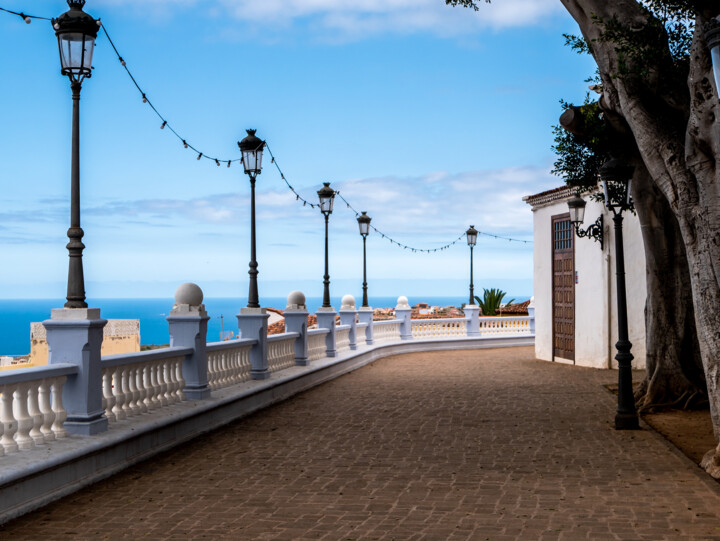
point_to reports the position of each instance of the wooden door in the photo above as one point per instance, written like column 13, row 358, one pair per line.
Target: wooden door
column 563, row 287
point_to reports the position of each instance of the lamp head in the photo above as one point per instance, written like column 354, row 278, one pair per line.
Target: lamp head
column 252, row 150
column 471, row 236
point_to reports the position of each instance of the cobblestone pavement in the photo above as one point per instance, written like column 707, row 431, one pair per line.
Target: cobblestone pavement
column 488, row 444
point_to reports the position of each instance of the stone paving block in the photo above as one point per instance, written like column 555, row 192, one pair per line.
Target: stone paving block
column 495, row 446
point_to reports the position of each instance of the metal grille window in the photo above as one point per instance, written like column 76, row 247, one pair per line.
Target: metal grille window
column 562, row 235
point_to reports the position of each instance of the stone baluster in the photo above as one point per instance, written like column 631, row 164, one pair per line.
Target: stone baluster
column 24, row 421
column 46, row 410
column 7, row 419
column 35, row 414
column 58, row 390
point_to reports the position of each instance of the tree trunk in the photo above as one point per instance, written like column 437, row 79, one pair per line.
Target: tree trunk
column 678, row 137
column 674, row 374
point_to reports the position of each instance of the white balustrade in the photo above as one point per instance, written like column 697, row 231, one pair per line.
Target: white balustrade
column 317, row 348
column 31, row 410
column 141, row 382
column 438, row 328
column 281, row 351
column 228, row 362
column 386, row 330
column 505, row 326
column 342, row 337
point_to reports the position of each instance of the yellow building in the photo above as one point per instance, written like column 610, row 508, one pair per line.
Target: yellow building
column 119, row 336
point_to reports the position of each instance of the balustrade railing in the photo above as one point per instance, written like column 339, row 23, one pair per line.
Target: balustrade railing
column 31, row 406
column 428, row 328
column 31, row 399
column 136, row 383
column 228, row 362
column 281, row 351
column 316, row 344
column 505, row 326
column 386, row 330
column 342, row 337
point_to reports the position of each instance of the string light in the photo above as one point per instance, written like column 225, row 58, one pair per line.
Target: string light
column 199, row 156
column 162, row 126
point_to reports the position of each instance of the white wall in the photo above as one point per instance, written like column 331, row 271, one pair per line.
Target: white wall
column 595, row 291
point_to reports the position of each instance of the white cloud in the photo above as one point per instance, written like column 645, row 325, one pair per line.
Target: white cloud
column 358, row 19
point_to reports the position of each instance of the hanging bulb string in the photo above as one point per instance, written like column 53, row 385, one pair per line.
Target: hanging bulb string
column 298, row 197
column 165, row 122
column 200, row 154
column 24, row 16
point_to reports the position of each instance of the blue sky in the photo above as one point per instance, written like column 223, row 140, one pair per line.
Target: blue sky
column 428, row 117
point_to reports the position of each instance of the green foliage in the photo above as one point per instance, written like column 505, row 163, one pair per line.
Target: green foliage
column 464, row 3
column 581, row 156
column 491, row 301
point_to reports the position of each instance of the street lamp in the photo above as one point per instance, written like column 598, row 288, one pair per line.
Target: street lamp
column 576, row 205
column 712, row 36
column 471, row 240
column 364, row 224
column 252, row 151
column 327, row 196
column 616, row 179
column 76, row 32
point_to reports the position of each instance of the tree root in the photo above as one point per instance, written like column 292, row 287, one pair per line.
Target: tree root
column 711, row 462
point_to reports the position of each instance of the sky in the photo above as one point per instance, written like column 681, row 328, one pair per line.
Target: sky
column 428, row 117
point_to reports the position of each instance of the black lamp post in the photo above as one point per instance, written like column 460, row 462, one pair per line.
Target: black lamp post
column 712, row 36
column 616, row 179
column 327, row 196
column 471, row 240
column 364, row 224
column 576, row 205
column 76, row 32
column 252, row 151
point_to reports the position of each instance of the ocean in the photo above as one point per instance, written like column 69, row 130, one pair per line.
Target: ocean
column 17, row 314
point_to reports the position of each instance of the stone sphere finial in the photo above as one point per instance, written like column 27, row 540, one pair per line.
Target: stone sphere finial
column 348, row 303
column 189, row 293
column 296, row 300
column 402, row 302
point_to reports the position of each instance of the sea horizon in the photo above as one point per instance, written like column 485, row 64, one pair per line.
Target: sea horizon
column 17, row 314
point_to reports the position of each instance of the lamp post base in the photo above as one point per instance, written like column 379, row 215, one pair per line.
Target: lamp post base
column 626, row 421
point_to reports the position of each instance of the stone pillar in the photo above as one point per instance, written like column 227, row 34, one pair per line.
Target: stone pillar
column 253, row 324
column 296, row 320
column 531, row 313
column 326, row 320
column 74, row 335
column 365, row 315
column 403, row 313
column 188, row 328
column 348, row 316
column 472, row 318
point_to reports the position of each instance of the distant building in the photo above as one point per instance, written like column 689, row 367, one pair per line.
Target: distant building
column 119, row 336
column 574, row 284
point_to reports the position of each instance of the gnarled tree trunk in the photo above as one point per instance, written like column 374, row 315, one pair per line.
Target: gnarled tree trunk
column 678, row 136
column 674, row 373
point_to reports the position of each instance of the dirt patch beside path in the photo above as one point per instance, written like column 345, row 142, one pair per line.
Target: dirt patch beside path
column 689, row 431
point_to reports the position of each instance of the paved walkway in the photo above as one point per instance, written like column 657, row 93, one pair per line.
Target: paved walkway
column 449, row 445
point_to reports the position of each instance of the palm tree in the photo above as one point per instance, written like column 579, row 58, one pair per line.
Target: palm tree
column 491, row 301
